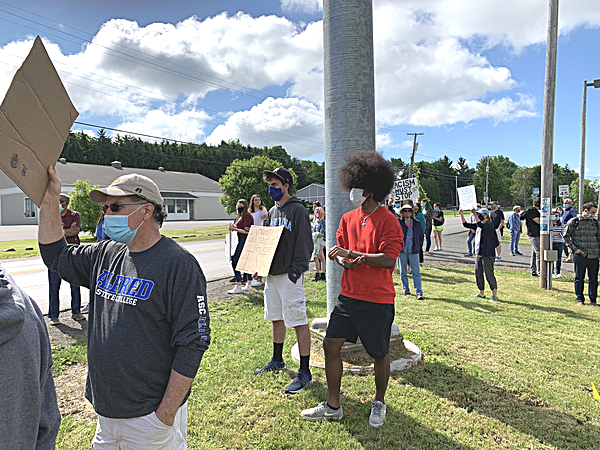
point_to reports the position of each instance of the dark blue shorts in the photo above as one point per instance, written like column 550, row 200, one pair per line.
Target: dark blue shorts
column 371, row 322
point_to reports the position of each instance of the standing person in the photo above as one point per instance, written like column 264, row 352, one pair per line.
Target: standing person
column 242, row 226
column 470, row 237
column 71, row 226
column 531, row 216
column 100, row 232
column 438, row 226
column 582, row 235
column 486, row 241
column 390, row 206
column 369, row 239
column 428, row 212
column 149, row 323
column 258, row 210
column 413, row 241
column 497, row 217
column 568, row 213
column 516, row 228
column 319, row 242
column 285, row 303
column 421, row 218
column 558, row 242
column 29, row 415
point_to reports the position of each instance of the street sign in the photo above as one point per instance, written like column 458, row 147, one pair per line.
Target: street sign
column 536, row 191
column 563, row 190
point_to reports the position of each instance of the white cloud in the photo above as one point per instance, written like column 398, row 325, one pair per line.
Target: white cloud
column 306, row 6
column 295, row 124
column 383, row 140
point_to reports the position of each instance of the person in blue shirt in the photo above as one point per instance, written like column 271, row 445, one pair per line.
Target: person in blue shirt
column 568, row 213
column 413, row 241
column 486, row 242
column 516, row 228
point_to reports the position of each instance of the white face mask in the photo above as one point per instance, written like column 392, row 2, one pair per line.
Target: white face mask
column 357, row 197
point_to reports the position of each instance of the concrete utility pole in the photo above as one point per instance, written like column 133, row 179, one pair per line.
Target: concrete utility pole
column 596, row 84
column 548, row 137
column 349, row 107
column 412, row 157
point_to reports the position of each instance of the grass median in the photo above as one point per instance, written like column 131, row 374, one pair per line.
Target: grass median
column 512, row 375
column 190, row 235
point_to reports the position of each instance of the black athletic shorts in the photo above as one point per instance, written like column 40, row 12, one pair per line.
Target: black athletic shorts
column 372, row 322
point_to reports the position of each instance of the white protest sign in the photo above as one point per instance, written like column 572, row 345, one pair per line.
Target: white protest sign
column 406, row 189
column 563, row 190
column 259, row 250
column 467, row 197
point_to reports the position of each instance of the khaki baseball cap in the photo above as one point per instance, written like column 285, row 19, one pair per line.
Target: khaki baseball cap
column 132, row 184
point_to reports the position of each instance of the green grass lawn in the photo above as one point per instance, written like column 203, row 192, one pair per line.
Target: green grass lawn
column 193, row 234
column 509, row 375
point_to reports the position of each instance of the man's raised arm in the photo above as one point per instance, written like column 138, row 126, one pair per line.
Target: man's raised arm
column 50, row 228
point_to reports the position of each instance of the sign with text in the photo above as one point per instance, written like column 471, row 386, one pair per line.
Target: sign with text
column 259, row 250
column 563, row 190
column 406, row 189
column 467, row 197
column 35, row 118
column 545, row 216
column 536, row 191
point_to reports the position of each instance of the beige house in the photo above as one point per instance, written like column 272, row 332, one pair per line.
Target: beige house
column 188, row 196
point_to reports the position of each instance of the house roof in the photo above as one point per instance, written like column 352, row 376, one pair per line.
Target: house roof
column 69, row 173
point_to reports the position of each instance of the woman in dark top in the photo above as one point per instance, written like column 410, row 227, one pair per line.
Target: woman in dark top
column 438, row 226
column 428, row 212
column 242, row 225
column 486, row 242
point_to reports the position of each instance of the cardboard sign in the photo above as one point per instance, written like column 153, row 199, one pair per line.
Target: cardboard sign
column 259, row 250
column 563, row 190
column 405, row 189
column 467, row 197
column 35, row 118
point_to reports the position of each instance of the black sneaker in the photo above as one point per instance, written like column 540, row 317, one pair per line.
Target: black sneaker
column 271, row 366
column 301, row 380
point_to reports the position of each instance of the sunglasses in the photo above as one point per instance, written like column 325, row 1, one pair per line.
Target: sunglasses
column 63, row 201
column 115, row 207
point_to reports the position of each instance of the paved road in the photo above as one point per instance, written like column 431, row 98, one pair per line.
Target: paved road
column 32, row 275
column 18, row 232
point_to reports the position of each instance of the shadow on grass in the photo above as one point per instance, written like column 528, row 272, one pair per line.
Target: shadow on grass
column 78, row 334
column 542, row 308
column 399, row 431
column 528, row 415
column 472, row 305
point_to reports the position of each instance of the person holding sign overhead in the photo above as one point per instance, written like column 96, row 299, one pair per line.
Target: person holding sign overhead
column 369, row 239
column 285, row 303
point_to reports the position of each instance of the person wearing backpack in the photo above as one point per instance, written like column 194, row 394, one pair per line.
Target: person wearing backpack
column 486, row 241
column 582, row 236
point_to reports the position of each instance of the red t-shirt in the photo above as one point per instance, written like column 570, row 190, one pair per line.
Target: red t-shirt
column 67, row 220
column 245, row 224
column 381, row 234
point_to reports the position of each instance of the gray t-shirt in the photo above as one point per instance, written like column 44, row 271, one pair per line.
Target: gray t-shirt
column 148, row 315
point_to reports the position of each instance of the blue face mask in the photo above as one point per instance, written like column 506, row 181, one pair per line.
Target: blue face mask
column 481, row 217
column 117, row 227
column 565, row 205
column 61, row 208
column 275, row 193
column 435, row 207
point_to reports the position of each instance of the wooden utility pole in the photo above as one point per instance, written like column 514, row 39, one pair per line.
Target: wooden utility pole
column 548, row 137
column 412, row 157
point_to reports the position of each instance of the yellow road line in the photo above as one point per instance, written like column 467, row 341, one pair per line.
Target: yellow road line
column 28, row 270
column 208, row 250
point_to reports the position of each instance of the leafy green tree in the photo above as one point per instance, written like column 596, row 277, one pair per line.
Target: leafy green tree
column 80, row 202
column 590, row 192
column 500, row 178
column 244, row 178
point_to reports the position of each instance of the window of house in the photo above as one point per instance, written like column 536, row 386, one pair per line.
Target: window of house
column 170, row 206
column 181, row 206
column 30, row 208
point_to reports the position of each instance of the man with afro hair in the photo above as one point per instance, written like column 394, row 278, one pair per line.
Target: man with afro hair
column 369, row 239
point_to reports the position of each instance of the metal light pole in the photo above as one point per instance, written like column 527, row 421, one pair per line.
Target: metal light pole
column 547, row 145
column 349, row 107
column 524, row 194
column 596, row 84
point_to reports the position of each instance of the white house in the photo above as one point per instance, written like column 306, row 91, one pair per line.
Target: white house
column 188, row 196
column 312, row 192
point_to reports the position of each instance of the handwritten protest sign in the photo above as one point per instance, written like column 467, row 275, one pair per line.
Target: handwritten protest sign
column 35, row 118
column 405, row 189
column 259, row 250
column 467, row 197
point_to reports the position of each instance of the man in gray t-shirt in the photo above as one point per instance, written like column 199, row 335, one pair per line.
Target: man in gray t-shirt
column 148, row 320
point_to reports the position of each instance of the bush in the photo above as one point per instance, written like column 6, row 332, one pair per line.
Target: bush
column 80, row 202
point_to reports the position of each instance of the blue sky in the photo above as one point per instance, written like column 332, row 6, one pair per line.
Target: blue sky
column 468, row 75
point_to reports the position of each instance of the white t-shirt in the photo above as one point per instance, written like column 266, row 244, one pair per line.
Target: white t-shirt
column 258, row 221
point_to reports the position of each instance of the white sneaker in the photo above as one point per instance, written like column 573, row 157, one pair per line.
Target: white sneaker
column 377, row 417
column 236, row 290
column 558, row 275
column 247, row 287
column 322, row 411
column 255, row 283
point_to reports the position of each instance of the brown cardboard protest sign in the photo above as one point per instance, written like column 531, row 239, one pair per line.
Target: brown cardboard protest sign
column 259, row 250
column 35, row 118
